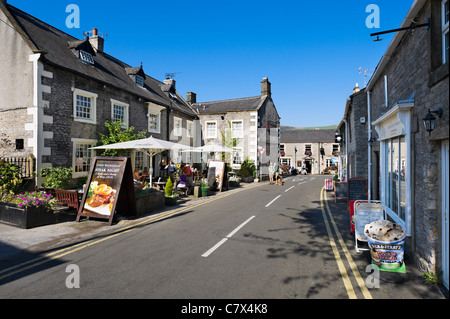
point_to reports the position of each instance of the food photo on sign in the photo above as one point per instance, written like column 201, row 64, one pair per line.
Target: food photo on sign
column 103, row 188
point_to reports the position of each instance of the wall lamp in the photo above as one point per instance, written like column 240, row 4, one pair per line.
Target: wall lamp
column 430, row 120
column 338, row 138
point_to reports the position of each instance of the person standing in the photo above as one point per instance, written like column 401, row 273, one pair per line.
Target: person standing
column 271, row 172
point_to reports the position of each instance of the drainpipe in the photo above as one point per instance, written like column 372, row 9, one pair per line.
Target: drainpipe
column 346, row 150
column 369, row 157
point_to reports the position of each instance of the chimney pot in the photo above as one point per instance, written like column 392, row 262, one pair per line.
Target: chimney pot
column 97, row 41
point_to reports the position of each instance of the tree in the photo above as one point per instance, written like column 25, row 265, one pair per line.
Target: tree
column 116, row 134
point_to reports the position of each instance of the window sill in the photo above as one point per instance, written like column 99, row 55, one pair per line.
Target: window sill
column 438, row 74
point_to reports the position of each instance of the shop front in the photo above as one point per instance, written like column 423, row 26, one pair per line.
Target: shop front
column 394, row 132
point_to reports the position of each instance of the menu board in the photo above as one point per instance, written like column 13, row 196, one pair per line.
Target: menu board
column 357, row 189
column 340, row 190
column 216, row 171
column 105, row 188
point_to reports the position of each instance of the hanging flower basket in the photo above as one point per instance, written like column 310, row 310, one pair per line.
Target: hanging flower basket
column 308, row 153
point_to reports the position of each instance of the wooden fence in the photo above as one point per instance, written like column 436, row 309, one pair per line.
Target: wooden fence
column 27, row 164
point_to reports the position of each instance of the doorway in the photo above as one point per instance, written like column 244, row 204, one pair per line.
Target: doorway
column 308, row 165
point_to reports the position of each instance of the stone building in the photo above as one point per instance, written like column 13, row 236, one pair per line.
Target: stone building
column 253, row 121
column 408, row 165
column 57, row 92
column 313, row 149
column 354, row 130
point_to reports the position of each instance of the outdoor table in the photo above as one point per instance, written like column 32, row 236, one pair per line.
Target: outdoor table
column 160, row 185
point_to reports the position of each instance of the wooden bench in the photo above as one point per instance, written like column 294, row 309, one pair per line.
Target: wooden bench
column 68, row 198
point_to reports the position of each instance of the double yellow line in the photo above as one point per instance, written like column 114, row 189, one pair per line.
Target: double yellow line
column 5, row 273
column 343, row 271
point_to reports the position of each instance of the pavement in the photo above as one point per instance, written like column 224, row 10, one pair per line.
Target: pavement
column 15, row 242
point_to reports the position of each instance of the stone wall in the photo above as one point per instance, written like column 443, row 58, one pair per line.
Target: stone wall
column 410, row 74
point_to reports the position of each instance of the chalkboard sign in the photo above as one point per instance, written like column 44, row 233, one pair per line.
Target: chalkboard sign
column 357, row 189
column 340, row 190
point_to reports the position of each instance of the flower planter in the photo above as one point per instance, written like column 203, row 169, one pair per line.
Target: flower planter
column 247, row 179
column 26, row 218
column 205, row 191
column 170, row 201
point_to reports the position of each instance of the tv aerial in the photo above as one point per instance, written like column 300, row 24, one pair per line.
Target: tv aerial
column 172, row 75
column 361, row 70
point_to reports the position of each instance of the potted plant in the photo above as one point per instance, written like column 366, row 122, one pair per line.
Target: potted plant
column 27, row 210
column 204, row 187
column 247, row 171
column 170, row 198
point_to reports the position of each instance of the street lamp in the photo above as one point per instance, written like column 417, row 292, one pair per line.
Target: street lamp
column 337, row 137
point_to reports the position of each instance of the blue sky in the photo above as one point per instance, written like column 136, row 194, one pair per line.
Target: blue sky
column 311, row 51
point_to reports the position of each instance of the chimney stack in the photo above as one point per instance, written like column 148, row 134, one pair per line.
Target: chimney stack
column 356, row 89
column 97, row 41
column 266, row 87
column 191, row 98
column 170, row 83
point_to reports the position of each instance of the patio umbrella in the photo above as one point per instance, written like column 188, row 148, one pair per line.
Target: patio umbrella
column 150, row 146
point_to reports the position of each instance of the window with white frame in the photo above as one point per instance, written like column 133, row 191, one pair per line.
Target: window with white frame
column 445, row 33
column 139, row 158
column 85, row 106
column 211, row 129
column 139, row 80
column 238, row 155
column 86, row 57
column 154, row 118
column 82, row 156
column 190, row 128
column 119, row 112
column 237, row 129
column 395, row 175
column 177, row 126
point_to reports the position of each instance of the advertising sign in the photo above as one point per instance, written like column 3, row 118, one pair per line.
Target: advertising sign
column 216, row 173
column 105, row 187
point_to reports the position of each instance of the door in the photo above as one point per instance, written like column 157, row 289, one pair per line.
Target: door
column 445, row 219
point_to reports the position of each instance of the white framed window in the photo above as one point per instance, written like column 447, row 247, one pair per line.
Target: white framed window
column 84, row 106
column 190, row 128
column 139, row 80
column 119, row 112
column 177, row 126
column 211, row 129
column 445, row 29
column 395, row 176
column 237, row 129
column 82, row 156
column 238, row 156
column 86, row 57
column 154, row 118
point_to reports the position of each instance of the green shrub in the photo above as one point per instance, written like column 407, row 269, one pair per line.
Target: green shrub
column 10, row 179
column 57, row 177
column 248, row 168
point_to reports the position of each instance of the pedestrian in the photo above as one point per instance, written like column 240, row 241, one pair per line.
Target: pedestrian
column 271, row 172
column 171, row 170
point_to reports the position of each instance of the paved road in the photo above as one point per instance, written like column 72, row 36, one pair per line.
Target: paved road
column 266, row 242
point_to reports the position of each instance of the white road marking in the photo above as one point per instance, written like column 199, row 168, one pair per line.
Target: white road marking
column 273, row 201
column 287, row 190
column 223, row 241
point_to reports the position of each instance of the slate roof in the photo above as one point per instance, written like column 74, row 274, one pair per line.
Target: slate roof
column 57, row 45
column 307, row 136
column 234, row 105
